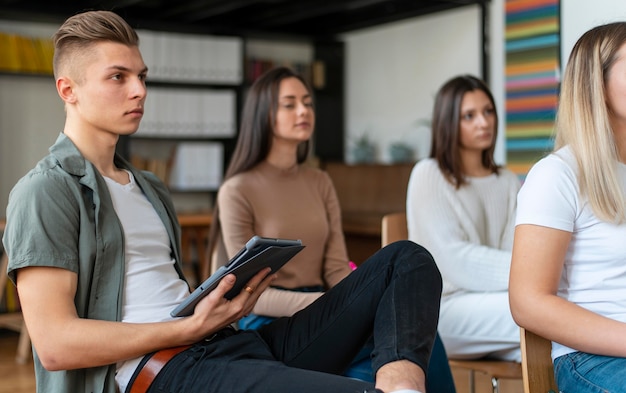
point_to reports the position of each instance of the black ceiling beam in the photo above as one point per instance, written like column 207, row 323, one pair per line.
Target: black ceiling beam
column 304, row 18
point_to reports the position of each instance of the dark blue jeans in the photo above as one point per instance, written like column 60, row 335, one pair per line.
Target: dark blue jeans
column 393, row 297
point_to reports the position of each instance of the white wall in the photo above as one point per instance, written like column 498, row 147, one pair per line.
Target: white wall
column 31, row 116
column 394, row 71
column 578, row 16
column 496, row 16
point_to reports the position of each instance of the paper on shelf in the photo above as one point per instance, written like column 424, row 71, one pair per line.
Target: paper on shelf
column 197, row 166
column 180, row 112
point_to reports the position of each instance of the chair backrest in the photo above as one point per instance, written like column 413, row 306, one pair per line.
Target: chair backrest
column 537, row 368
column 394, row 228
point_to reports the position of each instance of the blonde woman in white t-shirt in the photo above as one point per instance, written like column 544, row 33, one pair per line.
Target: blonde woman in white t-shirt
column 568, row 274
column 461, row 205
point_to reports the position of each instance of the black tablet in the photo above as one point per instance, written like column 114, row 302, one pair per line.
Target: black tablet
column 257, row 254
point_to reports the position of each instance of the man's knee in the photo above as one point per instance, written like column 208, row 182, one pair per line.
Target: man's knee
column 410, row 252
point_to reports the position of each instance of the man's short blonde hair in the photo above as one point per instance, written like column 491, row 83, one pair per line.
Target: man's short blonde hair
column 73, row 39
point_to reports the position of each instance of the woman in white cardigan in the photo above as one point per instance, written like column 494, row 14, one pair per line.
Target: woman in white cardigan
column 461, row 206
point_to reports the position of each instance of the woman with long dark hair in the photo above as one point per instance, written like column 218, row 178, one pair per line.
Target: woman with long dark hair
column 461, row 206
column 269, row 190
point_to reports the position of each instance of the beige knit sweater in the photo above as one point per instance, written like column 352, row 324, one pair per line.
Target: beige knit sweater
column 299, row 203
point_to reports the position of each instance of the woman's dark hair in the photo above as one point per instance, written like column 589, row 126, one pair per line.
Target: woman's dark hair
column 446, row 119
column 257, row 122
column 256, row 131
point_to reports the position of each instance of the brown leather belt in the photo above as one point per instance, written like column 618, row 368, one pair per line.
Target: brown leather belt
column 151, row 368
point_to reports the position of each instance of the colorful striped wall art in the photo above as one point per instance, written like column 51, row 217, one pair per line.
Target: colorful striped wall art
column 532, row 48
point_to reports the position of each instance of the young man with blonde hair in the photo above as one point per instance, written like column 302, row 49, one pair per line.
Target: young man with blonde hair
column 94, row 249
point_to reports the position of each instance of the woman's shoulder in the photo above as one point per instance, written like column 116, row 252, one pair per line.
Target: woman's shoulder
column 560, row 161
column 563, row 157
column 427, row 169
column 237, row 183
column 318, row 178
column 557, row 170
column 233, row 181
column 314, row 172
column 426, row 164
column 508, row 175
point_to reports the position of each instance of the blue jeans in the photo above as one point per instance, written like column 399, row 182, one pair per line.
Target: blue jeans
column 581, row 372
column 394, row 296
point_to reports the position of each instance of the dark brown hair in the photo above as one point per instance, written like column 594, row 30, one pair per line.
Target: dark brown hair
column 255, row 133
column 257, row 122
column 446, row 119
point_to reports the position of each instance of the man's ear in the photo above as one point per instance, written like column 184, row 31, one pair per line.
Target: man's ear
column 65, row 88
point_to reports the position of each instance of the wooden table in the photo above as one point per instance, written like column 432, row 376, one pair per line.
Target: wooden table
column 194, row 238
column 13, row 320
column 367, row 192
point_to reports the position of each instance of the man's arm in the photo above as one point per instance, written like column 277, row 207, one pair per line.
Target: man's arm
column 64, row 341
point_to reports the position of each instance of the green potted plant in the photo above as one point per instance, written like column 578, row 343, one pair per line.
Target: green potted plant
column 363, row 150
column 400, row 152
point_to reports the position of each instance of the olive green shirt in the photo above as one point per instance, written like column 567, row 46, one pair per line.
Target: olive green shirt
column 61, row 215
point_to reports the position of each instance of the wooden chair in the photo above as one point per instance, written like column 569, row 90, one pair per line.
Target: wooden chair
column 194, row 228
column 494, row 369
column 13, row 320
column 394, row 227
column 537, row 368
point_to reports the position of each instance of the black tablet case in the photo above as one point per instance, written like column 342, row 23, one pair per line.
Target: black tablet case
column 257, row 254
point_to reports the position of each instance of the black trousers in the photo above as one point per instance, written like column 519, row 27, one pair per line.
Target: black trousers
column 394, row 296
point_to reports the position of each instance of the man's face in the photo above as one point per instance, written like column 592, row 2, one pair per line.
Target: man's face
column 110, row 92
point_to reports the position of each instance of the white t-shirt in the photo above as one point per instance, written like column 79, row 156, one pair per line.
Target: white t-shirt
column 152, row 287
column 594, row 270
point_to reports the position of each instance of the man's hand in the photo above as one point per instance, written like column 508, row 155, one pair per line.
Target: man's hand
column 215, row 312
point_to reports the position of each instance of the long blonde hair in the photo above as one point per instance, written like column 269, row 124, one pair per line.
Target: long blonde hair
column 583, row 119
